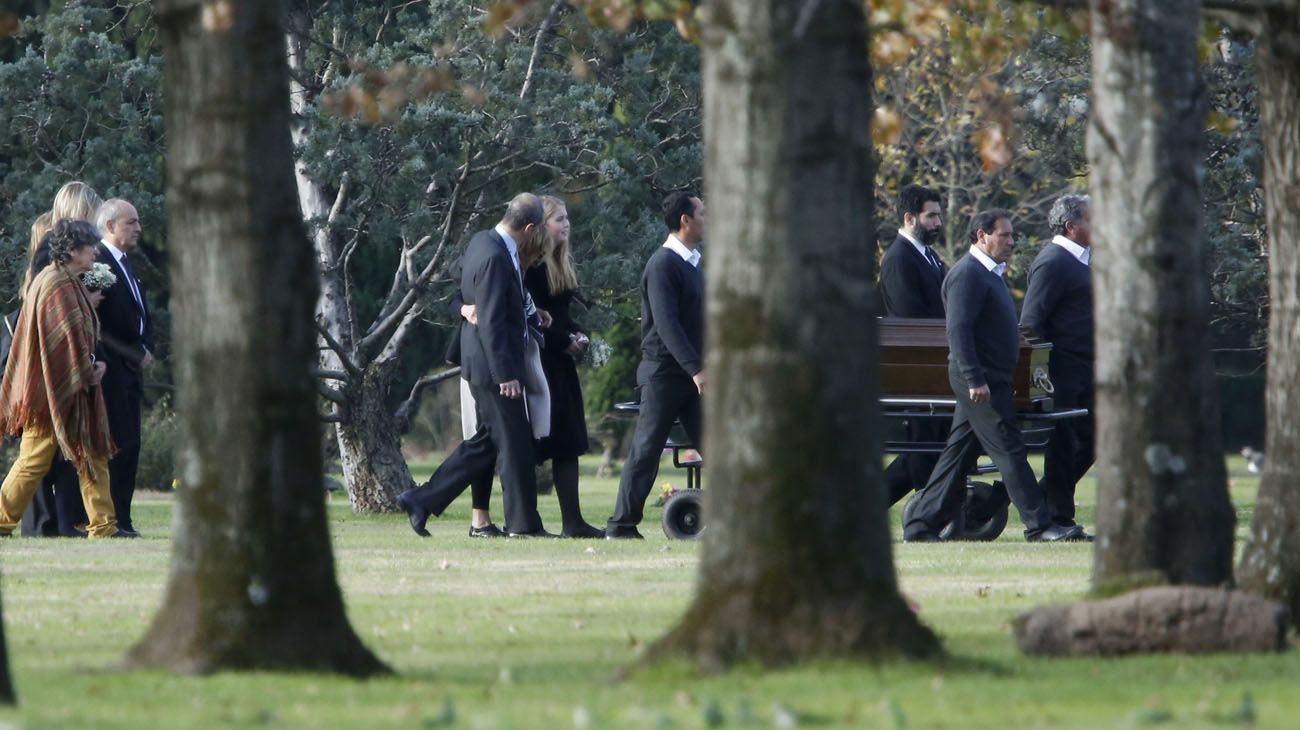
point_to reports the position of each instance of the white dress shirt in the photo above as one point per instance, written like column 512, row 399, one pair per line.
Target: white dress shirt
column 688, row 255
column 988, row 263
column 1083, row 254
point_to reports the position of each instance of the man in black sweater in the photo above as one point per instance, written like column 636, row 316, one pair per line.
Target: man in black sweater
column 671, row 374
column 1058, row 308
column 911, row 275
column 983, row 346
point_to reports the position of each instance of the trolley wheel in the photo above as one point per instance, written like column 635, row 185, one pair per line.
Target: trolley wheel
column 983, row 515
column 682, row 519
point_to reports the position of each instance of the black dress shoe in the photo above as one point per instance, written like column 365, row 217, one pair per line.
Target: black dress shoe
column 127, row 532
column 623, row 533
column 414, row 512
column 540, row 532
column 1058, row 533
column 583, row 531
column 488, row 530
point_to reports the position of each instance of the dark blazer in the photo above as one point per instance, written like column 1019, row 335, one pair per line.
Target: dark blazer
column 1058, row 302
column 983, row 332
column 910, row 286
column 120, row 318
column 491, row 352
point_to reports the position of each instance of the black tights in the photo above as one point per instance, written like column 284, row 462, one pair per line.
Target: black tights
column 564, row 470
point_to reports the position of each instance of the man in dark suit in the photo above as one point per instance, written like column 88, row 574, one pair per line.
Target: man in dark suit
column 492, row 361
column 1058, row 308
column 126, row 342
column 671, row 373
column 911, row 276
column 983, row 345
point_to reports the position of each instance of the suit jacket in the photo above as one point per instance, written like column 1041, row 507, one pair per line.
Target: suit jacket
column 491, row 352
column 120, row 318
column 910, row 286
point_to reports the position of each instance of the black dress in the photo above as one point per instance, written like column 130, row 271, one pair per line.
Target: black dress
column 568, row 437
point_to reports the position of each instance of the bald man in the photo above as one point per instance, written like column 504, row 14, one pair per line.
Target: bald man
column 492, row 361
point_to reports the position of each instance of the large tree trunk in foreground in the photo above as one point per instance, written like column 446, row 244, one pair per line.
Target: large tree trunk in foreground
column 7, row 696
column 1163, row 513
column 1271, row 564
column 252, row 582
column 1162, row 619
column 797, row 559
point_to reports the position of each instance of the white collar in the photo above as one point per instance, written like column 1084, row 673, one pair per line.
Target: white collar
column 987, row 262
column 920, row 247
column 676, row 246
column 1083, row 254
column 118, row 254
column 510, row 243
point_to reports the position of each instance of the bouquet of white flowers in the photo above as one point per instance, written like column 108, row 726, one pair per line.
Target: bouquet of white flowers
column 99, row 277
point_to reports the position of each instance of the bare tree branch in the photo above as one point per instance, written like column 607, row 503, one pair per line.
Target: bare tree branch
column 403, row 413
column 331, row 374
column 551, row 16
column 344, row 356
column 332, row 395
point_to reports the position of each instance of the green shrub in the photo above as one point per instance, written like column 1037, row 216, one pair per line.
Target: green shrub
column 157, row 447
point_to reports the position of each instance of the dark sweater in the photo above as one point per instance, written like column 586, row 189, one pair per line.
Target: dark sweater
column 983, row 337
column 1058, row 303
column 672, row 316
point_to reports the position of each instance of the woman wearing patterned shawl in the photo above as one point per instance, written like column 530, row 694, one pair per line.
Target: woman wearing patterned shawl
column 50, row 393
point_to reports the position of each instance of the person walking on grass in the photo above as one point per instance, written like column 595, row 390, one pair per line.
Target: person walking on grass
column 50, row 392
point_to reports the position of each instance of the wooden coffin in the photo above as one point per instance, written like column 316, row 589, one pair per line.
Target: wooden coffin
column 914, row 364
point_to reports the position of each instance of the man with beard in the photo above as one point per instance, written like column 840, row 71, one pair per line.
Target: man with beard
column 911, row 275
column 983, row 346
column 1058, row 308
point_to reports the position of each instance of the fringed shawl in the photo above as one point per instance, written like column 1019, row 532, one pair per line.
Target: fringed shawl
column 49, row 379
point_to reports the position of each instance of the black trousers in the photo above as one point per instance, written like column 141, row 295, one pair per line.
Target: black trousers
column 1070, row 453
column 994, row 427
column 912, row 471
column 504, row 441
column 123, row 394
column 664, row 399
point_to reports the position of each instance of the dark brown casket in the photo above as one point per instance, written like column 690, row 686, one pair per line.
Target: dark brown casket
column 914, row 364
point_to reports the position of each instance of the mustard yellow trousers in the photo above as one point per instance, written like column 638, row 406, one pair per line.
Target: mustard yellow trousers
column 35, row 453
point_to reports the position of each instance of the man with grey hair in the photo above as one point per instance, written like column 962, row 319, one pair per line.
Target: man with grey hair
column 492, row 360
column 1058, row 308
column 126, row 344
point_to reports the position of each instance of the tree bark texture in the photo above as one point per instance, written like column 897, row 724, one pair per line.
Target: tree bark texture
column 797, row 559
column 252, row 582
column 1163, row 513
column 7, row 694
column 370, row 445
column 1161, row 619
column 1271, row 562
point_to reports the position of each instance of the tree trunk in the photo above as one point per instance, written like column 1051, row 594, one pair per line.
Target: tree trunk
column 797, row 559
column 7, row 695
column 1271, row 564
column 1163, row 514
column 370, row 445
column 252, row 583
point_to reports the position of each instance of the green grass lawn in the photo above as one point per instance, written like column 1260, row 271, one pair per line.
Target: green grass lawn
column 530, row 634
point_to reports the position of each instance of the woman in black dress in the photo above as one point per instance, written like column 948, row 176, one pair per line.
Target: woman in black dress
column 553, row 285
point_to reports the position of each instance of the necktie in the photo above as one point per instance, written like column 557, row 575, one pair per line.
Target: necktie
column 934, row 260
column 134, row 287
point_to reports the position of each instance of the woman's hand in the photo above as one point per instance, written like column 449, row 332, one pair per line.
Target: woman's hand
column 96, row 297
column 98, row 371
column 470, row 313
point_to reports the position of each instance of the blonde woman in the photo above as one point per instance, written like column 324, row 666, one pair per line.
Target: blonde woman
column 553, row 284
column 74, row 201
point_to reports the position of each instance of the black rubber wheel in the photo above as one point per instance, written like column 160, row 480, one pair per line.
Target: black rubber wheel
column 682, row 519
column 983, row 516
